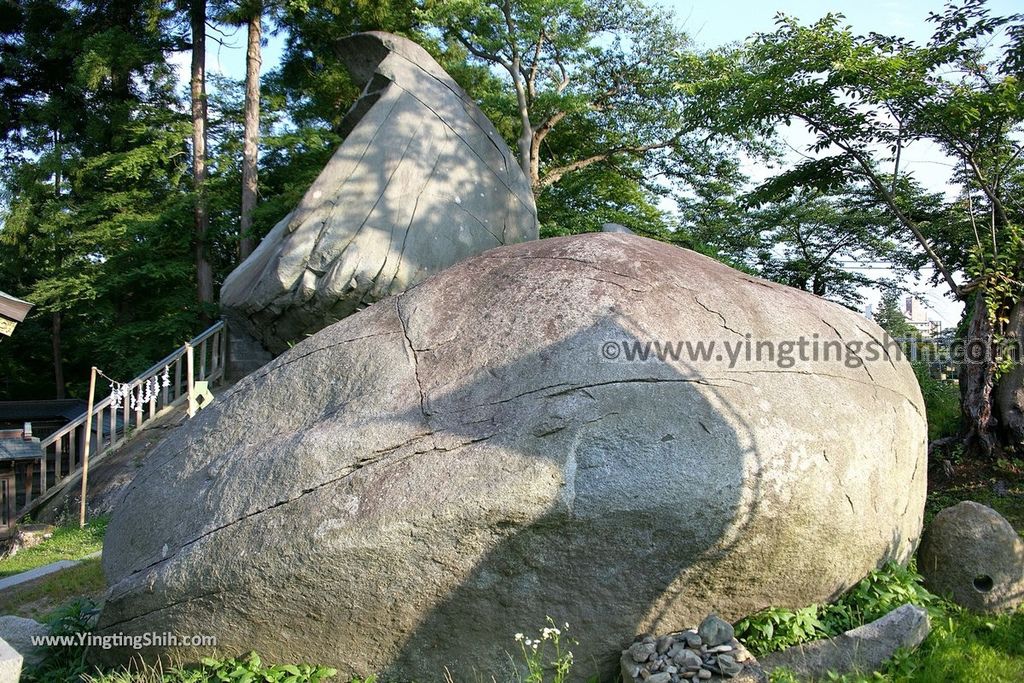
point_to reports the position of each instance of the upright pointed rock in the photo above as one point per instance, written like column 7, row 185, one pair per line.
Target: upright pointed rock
column 422, row 181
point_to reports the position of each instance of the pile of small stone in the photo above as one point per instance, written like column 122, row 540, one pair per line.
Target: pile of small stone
column 707, row 653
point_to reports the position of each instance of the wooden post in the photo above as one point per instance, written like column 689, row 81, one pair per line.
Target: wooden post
column 193, row 408
column 85, row 456
column 176, row 394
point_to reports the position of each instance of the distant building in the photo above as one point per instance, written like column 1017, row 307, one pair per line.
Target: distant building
column 20, row 450
column 915, row 313
column 46, row 416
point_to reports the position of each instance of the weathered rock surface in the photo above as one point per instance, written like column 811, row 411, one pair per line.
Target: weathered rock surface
column 410, row 487
column 864, row 649
column 18, row 632
column 10, row 663
column 971, row 553
column 422, row 180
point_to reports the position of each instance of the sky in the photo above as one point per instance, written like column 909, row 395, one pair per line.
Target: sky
column 712, row 23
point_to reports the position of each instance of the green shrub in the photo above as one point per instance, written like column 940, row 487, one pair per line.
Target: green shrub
column 941, row 402
column 65, row 662
column 880, row 592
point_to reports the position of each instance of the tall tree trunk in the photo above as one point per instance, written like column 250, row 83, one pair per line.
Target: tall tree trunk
column 1010, row 388
column 58, row 359
column 250, row 150
column 977, row 380
column 55, row 335
column 204, row 271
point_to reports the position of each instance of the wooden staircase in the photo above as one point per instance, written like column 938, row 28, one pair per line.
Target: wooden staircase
column 64, row 450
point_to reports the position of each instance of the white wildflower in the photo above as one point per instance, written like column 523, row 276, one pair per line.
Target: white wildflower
column 519, row 636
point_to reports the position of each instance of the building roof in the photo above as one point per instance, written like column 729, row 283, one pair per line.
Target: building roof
column 28, row 411
column 20, row 449
column 13, row 308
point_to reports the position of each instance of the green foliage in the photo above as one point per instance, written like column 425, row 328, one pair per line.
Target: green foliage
column 890, row 318
column 66, row 662
column 247, row 669
column 864, row 99
column 583, row 91
column 961, row 647
column 941, row 402
column 880, row 592
column 776, row 628
column 251, row 669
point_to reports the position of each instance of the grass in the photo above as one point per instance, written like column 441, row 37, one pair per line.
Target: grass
column 963, row 647
column 67, row 543
column 41, row 598
column 1000, row 485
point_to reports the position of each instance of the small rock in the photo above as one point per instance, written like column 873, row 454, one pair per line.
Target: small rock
column 648, row 639
column 728, row 666
column 715, row 631
column 721, row 648
column 692, row 639
column 704, row 673
column 19, row 633
column 630, row 669
column 641, row 651
column 687, row 659
column 663, row 645
column 660, row 678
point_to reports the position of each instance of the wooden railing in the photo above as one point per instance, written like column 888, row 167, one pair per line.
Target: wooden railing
column 63, row 450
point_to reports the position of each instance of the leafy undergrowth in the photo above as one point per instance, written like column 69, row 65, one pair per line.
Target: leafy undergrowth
column 879, row 593
column 40, row 598
column 962, row 646
column 941, row 401
column 248, row 669
column 67, row 543
column 69, row 662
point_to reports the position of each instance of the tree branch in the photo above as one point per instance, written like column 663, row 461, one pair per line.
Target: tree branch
column 555, row 174
column 889, row 199
column 531, row 78
column 997, row 205
column 477, row 52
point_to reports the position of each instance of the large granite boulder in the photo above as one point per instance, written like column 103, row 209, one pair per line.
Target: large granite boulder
column 422, row 180
column 410, row 487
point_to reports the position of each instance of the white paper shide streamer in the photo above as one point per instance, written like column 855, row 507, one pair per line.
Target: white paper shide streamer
column 135, row 395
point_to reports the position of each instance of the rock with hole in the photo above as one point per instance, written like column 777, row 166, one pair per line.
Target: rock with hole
column 973, row 555
column 407, row 489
